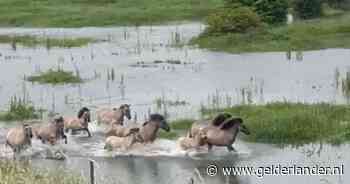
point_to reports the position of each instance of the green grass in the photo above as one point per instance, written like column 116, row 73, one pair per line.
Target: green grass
column 181, row 124
column 168, row 135
column 55, row 77
column 18, row 173
column 294, row 123
column 328, row 32
column 32, row 41
column 75, row 13
column 178, row 128
column 19, row 110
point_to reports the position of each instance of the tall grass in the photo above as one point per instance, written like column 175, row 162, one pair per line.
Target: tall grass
column 294, row 123
column 19, row 110
column 345, row 84
column 19, row 173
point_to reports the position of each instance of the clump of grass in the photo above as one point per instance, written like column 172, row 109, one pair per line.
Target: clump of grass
column 330, row 32
column 294, row 123
column 17, row 173
column 31, row 41
column 55, row 77
column 19, row 110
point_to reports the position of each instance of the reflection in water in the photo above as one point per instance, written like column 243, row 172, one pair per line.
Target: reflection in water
column 133, row 170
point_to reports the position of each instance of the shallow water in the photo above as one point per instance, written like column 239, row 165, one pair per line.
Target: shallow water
column 203, row 78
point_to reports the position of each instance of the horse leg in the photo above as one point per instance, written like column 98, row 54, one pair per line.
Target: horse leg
column 231, row 148
column 14, row 153
column 42, row 140
column 73, row 132
column 210, row 147
column 64, row 137
column 88, row 132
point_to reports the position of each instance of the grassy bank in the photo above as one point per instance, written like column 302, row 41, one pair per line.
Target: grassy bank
column 55, row 77
column 73, row 13
column 19, row 173
column 331, row 32
column 294, row 123
column 32, row 41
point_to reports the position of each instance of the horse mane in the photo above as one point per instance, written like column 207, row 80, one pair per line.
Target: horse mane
column 156, row 117
column 220, row 118
column 229, row 123
column 82, row 111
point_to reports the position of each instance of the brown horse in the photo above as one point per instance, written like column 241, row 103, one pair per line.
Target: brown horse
column 79, row 123
column 203, row 125
column 150, row 128
column 221, row 131
column 113, row 116
column 51, row 132
column 226, row 133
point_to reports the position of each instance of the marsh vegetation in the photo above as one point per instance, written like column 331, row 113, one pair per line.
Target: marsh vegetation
column 32, row 41
column 286, row 123
column 19, row 109
column 55, row 77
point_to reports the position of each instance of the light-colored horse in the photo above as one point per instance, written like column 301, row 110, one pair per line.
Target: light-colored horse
column 113, row 116
column 123, row 143
column 19, row 138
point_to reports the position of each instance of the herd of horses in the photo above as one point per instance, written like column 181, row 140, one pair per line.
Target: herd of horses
column 218, row 131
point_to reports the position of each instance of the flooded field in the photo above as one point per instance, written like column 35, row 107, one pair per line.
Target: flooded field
column 154, row 70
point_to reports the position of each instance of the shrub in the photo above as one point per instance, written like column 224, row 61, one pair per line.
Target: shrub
column 308, row 9
column 337, row 3
column 272, row 11
column 235, row 20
